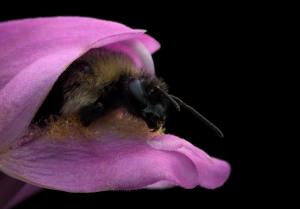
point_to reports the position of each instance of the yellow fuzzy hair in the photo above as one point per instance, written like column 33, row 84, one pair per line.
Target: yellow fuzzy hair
column 117, row 123
column 107, row 66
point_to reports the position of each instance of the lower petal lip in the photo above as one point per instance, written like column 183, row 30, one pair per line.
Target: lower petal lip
column 113, row 163
column 212, row 172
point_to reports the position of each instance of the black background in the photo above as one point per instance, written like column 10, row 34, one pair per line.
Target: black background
column 208, row 57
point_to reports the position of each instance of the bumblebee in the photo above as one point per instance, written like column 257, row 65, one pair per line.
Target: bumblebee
column 101, row 81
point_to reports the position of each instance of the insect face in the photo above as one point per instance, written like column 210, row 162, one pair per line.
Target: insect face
column 146, row 101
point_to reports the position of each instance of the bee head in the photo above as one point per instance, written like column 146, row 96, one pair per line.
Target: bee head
column 149, row 99
column 145, row 100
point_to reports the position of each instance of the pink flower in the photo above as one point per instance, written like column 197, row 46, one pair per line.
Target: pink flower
column 34, row 52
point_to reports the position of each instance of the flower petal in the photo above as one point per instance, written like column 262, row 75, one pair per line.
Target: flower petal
column 112, row 163
column 40, row 50
column 212, row 172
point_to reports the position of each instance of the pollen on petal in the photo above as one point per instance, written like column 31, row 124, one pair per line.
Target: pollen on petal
column 118, row 122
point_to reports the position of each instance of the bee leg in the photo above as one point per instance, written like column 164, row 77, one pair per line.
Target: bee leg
column 90, row 113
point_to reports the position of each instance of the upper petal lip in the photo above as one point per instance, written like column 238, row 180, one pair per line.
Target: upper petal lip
column 42, row 57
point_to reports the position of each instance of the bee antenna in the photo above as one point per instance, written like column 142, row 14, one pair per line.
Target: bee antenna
column 168, row 96
column 197, row 114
